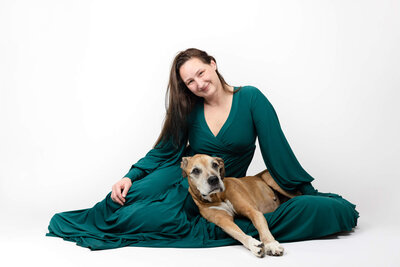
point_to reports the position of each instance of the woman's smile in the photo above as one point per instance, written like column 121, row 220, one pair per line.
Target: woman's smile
column 205, row 88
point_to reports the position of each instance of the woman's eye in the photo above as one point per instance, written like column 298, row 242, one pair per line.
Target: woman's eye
column 189, row 82
column 201, row 73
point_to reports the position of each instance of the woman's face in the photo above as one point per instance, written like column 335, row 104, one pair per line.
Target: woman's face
column 201, row 79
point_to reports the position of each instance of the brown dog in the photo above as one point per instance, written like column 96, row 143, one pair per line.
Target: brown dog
column 219, row 199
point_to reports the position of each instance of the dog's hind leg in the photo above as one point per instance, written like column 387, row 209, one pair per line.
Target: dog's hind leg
column 271, row 183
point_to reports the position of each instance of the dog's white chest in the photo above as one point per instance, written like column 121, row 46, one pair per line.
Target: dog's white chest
column 225, row 206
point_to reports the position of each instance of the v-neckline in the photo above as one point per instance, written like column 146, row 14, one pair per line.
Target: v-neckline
column 227, row 121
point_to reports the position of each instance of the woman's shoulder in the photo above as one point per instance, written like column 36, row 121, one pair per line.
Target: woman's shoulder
column 249, row 89
column 250, row 92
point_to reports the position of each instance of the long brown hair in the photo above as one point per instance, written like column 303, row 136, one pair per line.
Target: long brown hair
column 181, row 100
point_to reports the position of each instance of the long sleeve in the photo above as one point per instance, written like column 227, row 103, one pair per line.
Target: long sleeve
column 277, row 154
column 164, row 154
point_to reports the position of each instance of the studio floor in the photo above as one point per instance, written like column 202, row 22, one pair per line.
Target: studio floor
column 23, row 243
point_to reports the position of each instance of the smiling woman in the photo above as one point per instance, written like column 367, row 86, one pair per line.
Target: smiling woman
column 151, row 205
column 202, row 80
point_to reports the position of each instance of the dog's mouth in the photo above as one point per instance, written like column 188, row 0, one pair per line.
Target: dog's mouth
column 215, row 190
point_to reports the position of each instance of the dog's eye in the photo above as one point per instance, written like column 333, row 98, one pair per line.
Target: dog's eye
column 196, row 171
column 215, row 165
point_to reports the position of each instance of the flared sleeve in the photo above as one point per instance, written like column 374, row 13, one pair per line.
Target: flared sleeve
column 164, row 154
column 277, row 154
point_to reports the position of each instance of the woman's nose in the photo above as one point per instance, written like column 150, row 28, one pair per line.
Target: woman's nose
column 200, row 84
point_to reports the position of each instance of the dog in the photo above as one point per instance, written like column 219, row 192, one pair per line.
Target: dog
column 219, row 199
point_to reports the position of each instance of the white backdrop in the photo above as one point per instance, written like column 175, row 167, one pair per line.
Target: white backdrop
column 83, row 86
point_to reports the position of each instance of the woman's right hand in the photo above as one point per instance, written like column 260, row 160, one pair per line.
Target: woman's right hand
column 120, row 190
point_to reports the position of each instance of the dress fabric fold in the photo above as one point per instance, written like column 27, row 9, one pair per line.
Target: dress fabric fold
column 159, row 211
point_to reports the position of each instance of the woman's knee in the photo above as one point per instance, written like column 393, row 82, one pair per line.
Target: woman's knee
column 155, row 184
column 310, row 201
column 320, row 206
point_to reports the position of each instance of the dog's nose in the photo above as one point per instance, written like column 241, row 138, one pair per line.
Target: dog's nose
column 213, row 180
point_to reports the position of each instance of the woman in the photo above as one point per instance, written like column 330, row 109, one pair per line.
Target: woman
column 151, row 205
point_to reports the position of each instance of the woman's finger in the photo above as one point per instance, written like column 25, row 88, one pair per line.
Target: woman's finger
column 114, row 196
column 119, row 195
column 125, row 191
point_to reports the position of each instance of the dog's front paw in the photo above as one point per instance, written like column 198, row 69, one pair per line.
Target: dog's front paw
column 256, row 247
column 274, row 248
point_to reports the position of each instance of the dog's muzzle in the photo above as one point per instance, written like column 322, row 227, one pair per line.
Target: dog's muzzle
column 215, row 185
column 213, row 180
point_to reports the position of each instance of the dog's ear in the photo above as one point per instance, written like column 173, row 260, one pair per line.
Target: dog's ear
column 222, row 167
column 184, row 164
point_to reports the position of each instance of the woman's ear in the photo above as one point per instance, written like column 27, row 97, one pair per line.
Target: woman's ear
column 213, row 64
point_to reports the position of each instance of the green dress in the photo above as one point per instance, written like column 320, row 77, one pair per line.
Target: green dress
column 159, row 211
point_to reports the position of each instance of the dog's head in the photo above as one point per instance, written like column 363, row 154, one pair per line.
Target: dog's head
column 205, row 173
